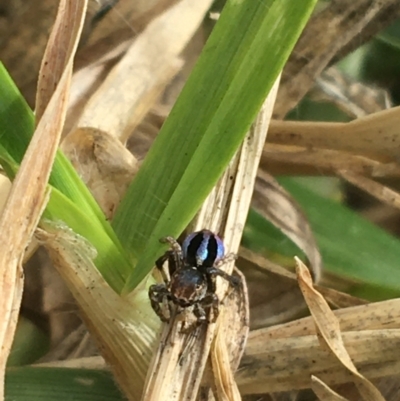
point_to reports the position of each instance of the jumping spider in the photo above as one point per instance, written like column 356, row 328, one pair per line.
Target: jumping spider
column 192, row 270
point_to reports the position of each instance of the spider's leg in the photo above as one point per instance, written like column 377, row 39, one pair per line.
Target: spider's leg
column 234, row 281
column 157, row 294
column 176, row 250
column 160, row 264
column 230, row 257
column 201, row 317
column 211, row 300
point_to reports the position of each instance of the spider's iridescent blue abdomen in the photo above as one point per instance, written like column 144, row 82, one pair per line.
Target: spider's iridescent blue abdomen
column 202, row 249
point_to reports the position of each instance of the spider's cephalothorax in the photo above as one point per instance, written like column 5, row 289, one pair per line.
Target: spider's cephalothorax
column 192, row 271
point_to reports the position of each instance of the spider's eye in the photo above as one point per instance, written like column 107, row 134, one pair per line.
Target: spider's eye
column 202, row 248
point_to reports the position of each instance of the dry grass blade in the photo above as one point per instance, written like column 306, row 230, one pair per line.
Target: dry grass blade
column 328, row 34
column 286, row 160
column 323, row 392
column 278, row 207
column 287, row 364
column 229, row 343
column 285, row 356
column 376, row 316
column 232, row 217
column 176, row 374
column 379, row 191
column 62, row 43
column 226, row 388
column 330, row 334
column 27, row 199
column 374, row 136
column 146, row 68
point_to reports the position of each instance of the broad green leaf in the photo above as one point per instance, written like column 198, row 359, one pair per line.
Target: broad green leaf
column 351, row 246
column 239, row 64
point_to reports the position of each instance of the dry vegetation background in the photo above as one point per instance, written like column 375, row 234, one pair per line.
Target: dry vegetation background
column 129, row 69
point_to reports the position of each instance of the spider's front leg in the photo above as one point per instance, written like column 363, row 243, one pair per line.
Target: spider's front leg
column 160, row 264
column 175, row 252
column 158, row 293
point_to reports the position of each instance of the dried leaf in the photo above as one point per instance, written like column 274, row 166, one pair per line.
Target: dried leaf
column 285, row 364
column 62, row 43
column 150, row 63
column 379, row 315
column 283, row 357
column 375, row 136
column 28, row 199
column 329, row 329
column 379, row 191
column 323, row 392
column 103, row 163
column 330, row 34
column 104, row 311
column 178, row 378
column 229, row 343
column 287, row 160
column 278, row 207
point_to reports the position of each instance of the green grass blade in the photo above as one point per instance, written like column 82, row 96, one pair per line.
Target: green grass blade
column 48, row 384
column 70, row 201
column 17, row 124
column 239, row 64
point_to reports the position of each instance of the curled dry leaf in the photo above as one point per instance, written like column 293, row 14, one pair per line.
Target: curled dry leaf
column 278, row 207
column 329, row 35
column 330, row 334
column 103, row 163
column 323, row 392
column 229, row 343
